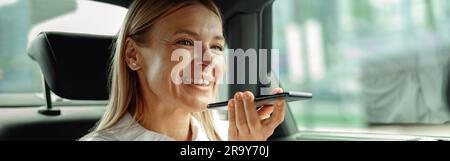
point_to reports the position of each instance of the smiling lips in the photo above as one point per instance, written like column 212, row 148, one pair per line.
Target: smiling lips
column 201, row 82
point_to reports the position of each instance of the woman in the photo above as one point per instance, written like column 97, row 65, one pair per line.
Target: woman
column 145, row 104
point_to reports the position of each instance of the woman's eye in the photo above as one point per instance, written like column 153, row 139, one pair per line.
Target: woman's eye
column 216, row 47
column 185, row 43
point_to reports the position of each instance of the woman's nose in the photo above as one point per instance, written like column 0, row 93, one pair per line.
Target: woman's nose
column 207, row 56
column 202, row 58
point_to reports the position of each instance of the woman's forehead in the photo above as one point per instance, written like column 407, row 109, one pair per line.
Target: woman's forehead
column 195, row 18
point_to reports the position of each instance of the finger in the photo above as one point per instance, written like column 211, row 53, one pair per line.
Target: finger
column 241, row 121
column 277, row 115
column 277, row 90
column 232, row 129
column 265, row 111
column 252, row 117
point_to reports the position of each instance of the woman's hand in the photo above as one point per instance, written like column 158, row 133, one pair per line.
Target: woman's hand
column 248, row 123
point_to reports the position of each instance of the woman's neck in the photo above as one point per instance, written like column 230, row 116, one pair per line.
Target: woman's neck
column 175, row 124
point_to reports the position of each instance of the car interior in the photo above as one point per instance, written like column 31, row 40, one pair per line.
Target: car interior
column 74, row 66
column 67, row 78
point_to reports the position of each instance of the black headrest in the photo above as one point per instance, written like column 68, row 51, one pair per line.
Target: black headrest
column 75, row 66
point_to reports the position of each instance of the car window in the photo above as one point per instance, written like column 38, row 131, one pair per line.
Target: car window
column 365, row 61
column 22, row 20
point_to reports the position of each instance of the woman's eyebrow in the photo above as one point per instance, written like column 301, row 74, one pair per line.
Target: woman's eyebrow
column 220, row 38
column 194, row 34
column 188, row 32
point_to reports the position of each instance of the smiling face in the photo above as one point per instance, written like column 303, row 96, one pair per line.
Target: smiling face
column 180, row 30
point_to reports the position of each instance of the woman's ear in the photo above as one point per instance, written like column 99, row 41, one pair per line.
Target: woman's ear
column 132, row 55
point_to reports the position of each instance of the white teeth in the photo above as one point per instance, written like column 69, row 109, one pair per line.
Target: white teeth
column 186, row 81
column 202, row 82
column 205, row 82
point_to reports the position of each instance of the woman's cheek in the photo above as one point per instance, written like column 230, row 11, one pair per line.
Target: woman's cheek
column 154, row 69
column 219, row 69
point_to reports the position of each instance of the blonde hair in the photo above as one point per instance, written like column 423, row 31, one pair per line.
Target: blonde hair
column 124, row 91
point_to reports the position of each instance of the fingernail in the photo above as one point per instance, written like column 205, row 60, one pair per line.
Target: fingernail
column 238, row 96
column 245, row 96
column 280, row 103
column 231, row 102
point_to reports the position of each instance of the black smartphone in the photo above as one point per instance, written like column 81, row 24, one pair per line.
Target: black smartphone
column 268, row 99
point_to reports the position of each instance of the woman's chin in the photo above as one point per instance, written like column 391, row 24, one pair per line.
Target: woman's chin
column 197, row 97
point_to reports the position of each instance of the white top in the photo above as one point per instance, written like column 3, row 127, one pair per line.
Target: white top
column 127, row 129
